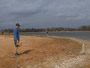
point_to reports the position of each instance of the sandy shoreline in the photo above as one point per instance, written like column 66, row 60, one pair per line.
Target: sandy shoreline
column 86, row 62
column 42, row 52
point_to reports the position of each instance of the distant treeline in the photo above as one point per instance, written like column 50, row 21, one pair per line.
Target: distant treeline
column 82, row 28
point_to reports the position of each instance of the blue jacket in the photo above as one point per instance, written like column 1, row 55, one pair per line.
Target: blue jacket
column 16, row 34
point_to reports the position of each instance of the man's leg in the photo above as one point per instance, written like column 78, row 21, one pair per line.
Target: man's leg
column 16, row 48
column 16, row 51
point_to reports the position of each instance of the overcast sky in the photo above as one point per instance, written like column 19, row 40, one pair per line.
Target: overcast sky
column 44, row 13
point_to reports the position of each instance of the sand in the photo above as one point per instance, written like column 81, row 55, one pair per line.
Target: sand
column 44, row 52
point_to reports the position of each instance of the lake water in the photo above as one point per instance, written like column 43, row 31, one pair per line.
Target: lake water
column 81, row 35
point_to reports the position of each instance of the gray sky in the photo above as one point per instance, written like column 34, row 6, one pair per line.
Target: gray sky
column 44, row 13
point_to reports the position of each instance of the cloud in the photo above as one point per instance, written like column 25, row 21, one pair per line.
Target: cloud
column 50, row 12
column 75, row 9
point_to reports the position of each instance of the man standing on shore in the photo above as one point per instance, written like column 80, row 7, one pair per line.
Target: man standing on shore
column 16, row 39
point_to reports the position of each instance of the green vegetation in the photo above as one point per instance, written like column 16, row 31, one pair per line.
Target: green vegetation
column 82, row 28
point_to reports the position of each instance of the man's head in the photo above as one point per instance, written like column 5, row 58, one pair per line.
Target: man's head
column 17, row 25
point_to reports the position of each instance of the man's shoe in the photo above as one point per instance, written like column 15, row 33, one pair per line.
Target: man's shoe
column 16, row 54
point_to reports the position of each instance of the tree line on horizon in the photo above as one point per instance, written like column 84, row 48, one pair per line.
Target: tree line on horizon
column 57, row 29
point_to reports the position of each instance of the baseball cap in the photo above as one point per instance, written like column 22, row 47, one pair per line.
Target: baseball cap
column 18, row 24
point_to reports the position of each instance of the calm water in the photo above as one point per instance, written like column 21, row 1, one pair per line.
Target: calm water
column 81, row 35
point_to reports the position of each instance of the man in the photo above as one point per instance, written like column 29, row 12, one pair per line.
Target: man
column 16, row 39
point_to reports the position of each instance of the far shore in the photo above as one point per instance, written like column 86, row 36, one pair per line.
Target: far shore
column 6, row 33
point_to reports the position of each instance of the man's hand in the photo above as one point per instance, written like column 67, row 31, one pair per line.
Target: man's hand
column 17, row 41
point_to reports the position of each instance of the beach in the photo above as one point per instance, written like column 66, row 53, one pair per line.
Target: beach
column 44, row 52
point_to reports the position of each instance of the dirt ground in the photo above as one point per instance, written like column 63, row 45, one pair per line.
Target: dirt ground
column 86, row 63
column 38, row 52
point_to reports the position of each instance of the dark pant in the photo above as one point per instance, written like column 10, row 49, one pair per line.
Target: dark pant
column 15, row 42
